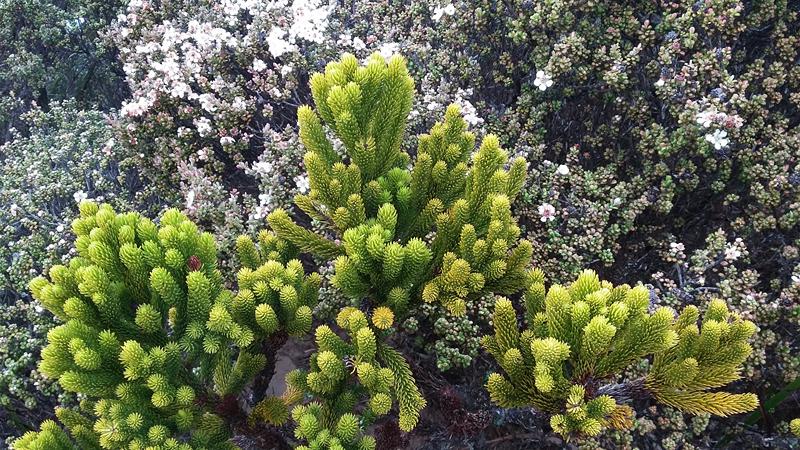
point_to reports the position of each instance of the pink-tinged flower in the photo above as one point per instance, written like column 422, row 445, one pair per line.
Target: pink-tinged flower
column 547, row 211
column 706, row 118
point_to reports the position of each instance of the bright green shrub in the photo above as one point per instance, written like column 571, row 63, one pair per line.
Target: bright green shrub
column 151, row 339
column 581, row 337
column 384, row 209
column 383, row 378
column 435, row 229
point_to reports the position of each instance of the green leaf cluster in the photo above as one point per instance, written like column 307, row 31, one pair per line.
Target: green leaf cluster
column 435, row 227
column 151, row 338
column 345, row 372
column 588, row 333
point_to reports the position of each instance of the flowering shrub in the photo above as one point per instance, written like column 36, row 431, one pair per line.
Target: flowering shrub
column 209, row 80
column 70, row 155
column 55, row 51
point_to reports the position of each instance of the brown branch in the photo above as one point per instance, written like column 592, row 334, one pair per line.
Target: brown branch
column 626, row 392
column 270, row 349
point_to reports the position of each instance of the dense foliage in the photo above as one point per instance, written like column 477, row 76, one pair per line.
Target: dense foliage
column 53, row 51
column 661, row 146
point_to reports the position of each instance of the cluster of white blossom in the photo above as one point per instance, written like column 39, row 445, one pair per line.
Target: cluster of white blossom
column 440, row 11
column 711, row 117
column 186, row 65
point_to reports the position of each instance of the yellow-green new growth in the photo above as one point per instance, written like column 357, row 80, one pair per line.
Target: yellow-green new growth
column 343, row 372
column 346, row 433
column 437, row 227
column 272, row 295
column 402, row 230
column 704, row 357
column 148, row 327
column 794, row 427
column 584, row 335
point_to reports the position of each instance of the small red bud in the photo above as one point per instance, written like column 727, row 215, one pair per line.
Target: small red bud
column 194, row 263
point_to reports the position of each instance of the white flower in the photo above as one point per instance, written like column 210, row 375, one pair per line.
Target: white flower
column 616, row 201
column 263, row 167
column 676, row 247
column 439, row 11
column 302, row 183
column 310, row 20
column 277, row 44
column 203, row 126
column 718, row 139
column 562, row 170
column 14, row 208
column 239, row 104
column 180, row 89
column 547, row 211
column 359, row 43
column 468, row 111
column 543, row 80
column 796, row 278
column 208, row 102
column 80, row 196
column 706, row 118
column 388, row 49
column 60, row 228
column 344, row 40
column 659, row 83
column 259, row 65
column 189, row 199
column 226, row 140
column 259, row 213
column 732, row 252
column 137, row 107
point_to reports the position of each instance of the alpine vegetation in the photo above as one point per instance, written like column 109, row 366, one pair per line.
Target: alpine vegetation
column 169, row 346
column 581, row 337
